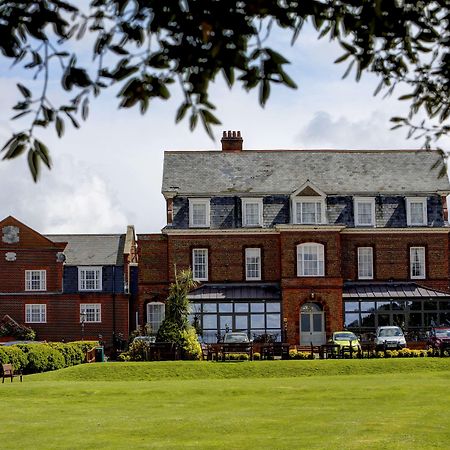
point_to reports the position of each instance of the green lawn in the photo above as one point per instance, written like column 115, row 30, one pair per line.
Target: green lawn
column 263, row 405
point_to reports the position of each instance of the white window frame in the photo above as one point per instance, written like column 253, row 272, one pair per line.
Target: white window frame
column 365, row 263
column 252, row 201
column 195, row 274
column 97, row 312
column 82, row 278
column 40, row 310
column 409, row 218
column 299, row 201
column 250, row 254
column 203, row 202
column 41, row 280
column 152, row 314
column 301, row 260
column 422, row 261
column 356, row 202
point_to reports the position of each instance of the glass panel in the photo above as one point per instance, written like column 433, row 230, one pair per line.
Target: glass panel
column 352, row 320
column 368, row 306
column 196, row 308
column 210, row 321
column 444, row 317
column 257, row 307
column 399, row 320
column 352, row 306
column 241, row 322
column 430, row 319
column 226, row 322
column 305, row 322
column 209, row 307
column 209, row 336
column 241, row 307
column 310, row 307
column 273, row 320
column 256, row 333
column 273, row 307
column 225, row 307
column 383, row 305
column 415, row 305
column 367, row 319
column 415, row 320
column 444, row 305
column 257, row 320
column 398, row 305
column 383, row 320
column 430, row 305
column 317, row 322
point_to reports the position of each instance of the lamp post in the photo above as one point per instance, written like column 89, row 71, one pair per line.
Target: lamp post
column 285, row 322
column 82, row 321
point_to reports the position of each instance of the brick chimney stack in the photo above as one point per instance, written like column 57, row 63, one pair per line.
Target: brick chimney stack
column 231, row 141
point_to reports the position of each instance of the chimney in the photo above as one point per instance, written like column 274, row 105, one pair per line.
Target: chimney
column 231, row 141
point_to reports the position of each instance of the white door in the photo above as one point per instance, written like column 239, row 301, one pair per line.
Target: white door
column 312, row 325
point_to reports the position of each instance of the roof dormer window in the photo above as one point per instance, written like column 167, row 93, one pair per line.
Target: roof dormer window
column 308, row 205
column 252, row 212
column 199, row 212
column 416, row 211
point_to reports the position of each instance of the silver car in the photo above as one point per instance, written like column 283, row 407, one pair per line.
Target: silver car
column 390, row 337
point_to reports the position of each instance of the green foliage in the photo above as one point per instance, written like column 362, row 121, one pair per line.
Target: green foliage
column 84, row 346
column 256, row 356
column 137, row 351
column 141, row 49
column 42, row 358
column 21, row 332
column 13, row 355
column 72, row 352
column 191, row 346
column 294, row 354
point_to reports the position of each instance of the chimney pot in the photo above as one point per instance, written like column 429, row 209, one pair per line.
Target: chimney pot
column 231, row 141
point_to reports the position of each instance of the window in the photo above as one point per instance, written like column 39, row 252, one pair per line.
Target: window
column 308, row 210
column 156, row 312
column 365, row 263
column 252, row 212
column 310, row 260
column 364, row 211
column 200, row 264
column 416, row 211
column 199, row 212
column 417, row 262
column 252, row 263
column 90, row 312
column 35, row 280
column 90, row 278
column 35, row 313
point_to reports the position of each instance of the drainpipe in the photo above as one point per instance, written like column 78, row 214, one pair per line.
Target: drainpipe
column 114, row 307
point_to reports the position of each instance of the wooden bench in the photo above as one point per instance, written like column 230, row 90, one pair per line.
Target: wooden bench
column 8, row 371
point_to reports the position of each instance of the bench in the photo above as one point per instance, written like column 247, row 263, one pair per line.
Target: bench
column 221, row 349
column 8, row 371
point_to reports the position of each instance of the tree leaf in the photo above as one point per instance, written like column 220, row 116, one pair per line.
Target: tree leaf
column 24, row 91
column 33, row 164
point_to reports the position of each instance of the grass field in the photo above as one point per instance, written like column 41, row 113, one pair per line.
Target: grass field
column 340, row 404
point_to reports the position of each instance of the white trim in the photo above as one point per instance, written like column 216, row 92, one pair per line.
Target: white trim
column 203, row 232
column 206, row 269
column 42, row 280
column 42, row 313
column 254, row 201
column 359, row 251
column 369, row 200
column 295, row 201
column 320, row 254
column 421, row 261
column 97, row 279
column 97, row 307
column 423, row 201
column 256, row 254
column 199, row 201
column 416, row 230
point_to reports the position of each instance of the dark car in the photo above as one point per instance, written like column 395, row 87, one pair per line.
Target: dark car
column 439, row 338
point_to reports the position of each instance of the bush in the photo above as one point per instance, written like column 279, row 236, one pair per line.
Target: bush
column 256, row 356
column 72, row 353
column 84, row 346
column 42, row 358
column 190, row 344
column 13, row 355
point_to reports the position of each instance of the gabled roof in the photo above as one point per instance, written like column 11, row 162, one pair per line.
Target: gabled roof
column 283, row 171
column 92, row 249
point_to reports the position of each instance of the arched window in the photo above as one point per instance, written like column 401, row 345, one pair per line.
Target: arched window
column 310, row 260
column 155, row 315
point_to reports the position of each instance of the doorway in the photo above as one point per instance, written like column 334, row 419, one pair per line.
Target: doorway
column 312, row 325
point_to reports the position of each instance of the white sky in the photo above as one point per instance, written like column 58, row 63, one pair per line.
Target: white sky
column 108, row 173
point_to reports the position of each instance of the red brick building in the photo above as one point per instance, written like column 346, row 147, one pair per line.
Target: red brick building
column 66, row 287
column 301, row 243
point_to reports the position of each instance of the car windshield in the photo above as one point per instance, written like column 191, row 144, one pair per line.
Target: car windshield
column 236, row 337
column 390, row 332
column 345, row 337
column 443, row 332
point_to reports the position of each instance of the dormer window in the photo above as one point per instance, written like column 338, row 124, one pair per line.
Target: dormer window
column 416, row 211
column 252, row 212
column 199, row 212
column 308, row 205
column 364, row 208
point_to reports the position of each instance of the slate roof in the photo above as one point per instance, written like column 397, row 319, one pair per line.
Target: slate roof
column 234, row 291
column 92, row 249
column 389, row 290
column 284, row 171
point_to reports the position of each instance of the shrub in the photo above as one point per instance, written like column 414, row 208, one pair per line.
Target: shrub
column 84, row 346
column 256, row 356
column 42, row 358
column 293, row 354
column 190, row 344
column 13, row 355
column 243, row 357
column 72, row 354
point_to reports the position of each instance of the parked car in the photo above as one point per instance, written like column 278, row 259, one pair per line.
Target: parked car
column 390, row 337
column 439, row 338
column 235, row 337
column 345, row 339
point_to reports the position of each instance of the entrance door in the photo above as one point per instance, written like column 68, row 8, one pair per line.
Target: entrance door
column 312, row 325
